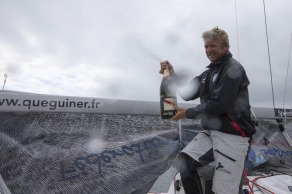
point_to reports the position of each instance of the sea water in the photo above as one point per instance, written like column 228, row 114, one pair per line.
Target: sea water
column 164, row 181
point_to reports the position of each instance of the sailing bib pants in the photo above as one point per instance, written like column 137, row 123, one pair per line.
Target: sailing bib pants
column 228, row 152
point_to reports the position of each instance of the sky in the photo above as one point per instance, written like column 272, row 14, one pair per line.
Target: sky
column 112, row 48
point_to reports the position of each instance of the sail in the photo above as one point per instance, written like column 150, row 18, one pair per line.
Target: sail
column 65, row 144
column 270, row 145
column 81, row 149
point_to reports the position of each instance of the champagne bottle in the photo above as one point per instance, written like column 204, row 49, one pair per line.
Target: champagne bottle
column 167, row 96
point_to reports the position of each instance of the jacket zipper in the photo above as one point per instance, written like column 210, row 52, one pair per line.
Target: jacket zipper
column 228, row 157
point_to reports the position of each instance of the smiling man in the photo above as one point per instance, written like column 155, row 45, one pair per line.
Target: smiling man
column 225, row 116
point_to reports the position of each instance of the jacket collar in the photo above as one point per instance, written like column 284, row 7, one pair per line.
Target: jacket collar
column 223, row 58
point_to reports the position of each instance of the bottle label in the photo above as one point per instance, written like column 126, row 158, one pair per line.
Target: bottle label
column 169, row 103
column 168, row 114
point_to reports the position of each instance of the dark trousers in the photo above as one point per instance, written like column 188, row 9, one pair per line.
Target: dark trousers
column 188, row 168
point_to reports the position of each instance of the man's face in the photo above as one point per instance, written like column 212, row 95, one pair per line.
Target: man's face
column 214, row 50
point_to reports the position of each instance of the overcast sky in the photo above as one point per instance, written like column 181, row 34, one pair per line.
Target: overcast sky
column 112, row 48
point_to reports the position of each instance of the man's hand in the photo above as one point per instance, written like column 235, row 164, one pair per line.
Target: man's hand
column 181, row 114
column 164, row 65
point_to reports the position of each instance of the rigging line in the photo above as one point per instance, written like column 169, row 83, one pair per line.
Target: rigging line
column 278, row 156
column 269, row 53
column 237, row 32
column 282, row 161
column 270, row 133
column 287, row 74
column 279, row 171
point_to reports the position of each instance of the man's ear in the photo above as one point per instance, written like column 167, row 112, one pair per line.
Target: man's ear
column 225, row 48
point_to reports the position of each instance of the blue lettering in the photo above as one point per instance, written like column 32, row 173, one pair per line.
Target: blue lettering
column 68, row 174
column 80, row 163
column 105, row 158
column 276, row 151
column 128, row 150
column 117, row 153
column 139, row 150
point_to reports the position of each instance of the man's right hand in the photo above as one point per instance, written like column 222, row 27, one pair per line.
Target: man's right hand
column 164, row 65
column 181, row 114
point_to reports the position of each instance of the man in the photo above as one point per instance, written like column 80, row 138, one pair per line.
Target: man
column 225, row 116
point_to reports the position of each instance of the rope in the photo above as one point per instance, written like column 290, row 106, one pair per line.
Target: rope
column 269, row 53
column 252, row 183
column 287, row 72
column 255, row 184
column 282, row 162
column 237, row 33
column 285, row 134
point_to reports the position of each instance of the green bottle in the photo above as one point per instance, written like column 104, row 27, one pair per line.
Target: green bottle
column 167, row 96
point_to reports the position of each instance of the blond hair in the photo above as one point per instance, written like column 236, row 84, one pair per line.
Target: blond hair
column 217, row 34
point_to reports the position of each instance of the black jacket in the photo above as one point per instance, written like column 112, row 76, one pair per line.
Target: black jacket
column 224, row 98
